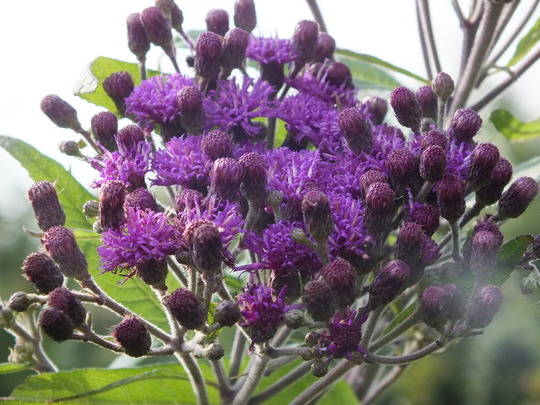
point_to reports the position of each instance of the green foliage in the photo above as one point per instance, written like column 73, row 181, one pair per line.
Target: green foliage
column 401, row 317
column 71, row 193
column 508, row 258
column 512, row 128
column 529, row 168
column 526, row 43
column 8, row 368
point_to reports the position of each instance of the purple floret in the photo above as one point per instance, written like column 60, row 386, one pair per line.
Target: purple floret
column 267, row 50
column 343, row 336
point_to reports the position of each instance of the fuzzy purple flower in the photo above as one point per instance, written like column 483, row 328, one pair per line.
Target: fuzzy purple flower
column 267, row 50
column 343, row 336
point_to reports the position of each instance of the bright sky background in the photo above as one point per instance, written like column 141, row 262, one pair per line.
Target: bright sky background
column 46, row 44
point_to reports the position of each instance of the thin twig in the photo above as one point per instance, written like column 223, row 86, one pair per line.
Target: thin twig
column 317, row 15
column 388, row 380
column 252, row 379
column 406, row 358
column 237, row 353
column 425, row 22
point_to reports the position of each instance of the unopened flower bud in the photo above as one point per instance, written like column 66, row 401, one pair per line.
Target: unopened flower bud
column 130, row 136
column 443, row 86
column 484, row 158
column 434, row 137
column 464, row 125
column 227, row 313
column 47, row 208
column 63, row 299
column 440, row 304
column 208, row 55
column 61, row 245
column 319, row 300
column 294, row 318
column 245, row 16
column 377, row 108
column 500, row 177
column 433, row 163
column 450, row 197
column 234, row 45
column 70, row 148
column 380, row 199
column 536, row 246
column 317, row 215
column 90, row 209
column 42, row 272
column 338, row 74
column 104, row 128
column 60, row 112
column 402, row 168
column 326, row 45
column 138, row 41
column 19, row 302
column 484, row 254
column 305, row 39
column 388, row 283
column 253, row 186
column 186, row 308
column 215, row 352
column 225, row 177
column 528, row 285
column 133, row 336
column 217, row 144
column 140, row 199
column 55, row 324
column 187, row 198
column 517, row 198
column 190, row 105
column 312, row 338
column 409, row 243
column 370, row 177
column 153, row 273
column 207, row 248
column 341, row 278
column 217, row 21
column 406, row 107
column 118, row 86
column 111, row 204
column 484, row 306
column 356, row 129
column 427, row 216
column 177, row 19
column 427, row 100
column 319, row 368
column 158, row 29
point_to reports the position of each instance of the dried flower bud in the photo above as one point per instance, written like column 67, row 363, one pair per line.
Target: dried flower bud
column 517, row 198
column 208, row 55
column 427, row 100
column 111, row 204
column 55, row 324
column 253, row 186
column 133, row 336
column 47, row 208
column 500, row 177
column 341, row 278
column 177, row 18
column 217, row 144
column 61, row 245
column 130, row 136
column 326, row 45
column 138, row 41
column 234, row 45
column 338, row 74
column 443, row 86
column 409, row 243
column 63, row 299
column 207, row 248
column 317, row 215
column 153, row 273
column 406, row 107
column 433, row 163
column 70, row 148
column 60, row 112
column 484, row 158
column 484, row 306
column 465, row 124
column 19, row 302
column 356, row 129
column 225, row 177
column 186, row 308
column 245, row 16
column 118, row 86
column 187, row 198
column 450, row 197
column 427, row 216
column 217, row 21
column 227, row 313
column 377, row 108
column 305, row 39
column 158, row 29
column 42, row 272
column 104, row 128
column 90, row 209
column 434, row 137
column 388, row 283
column 319, row 300
column 215, row 352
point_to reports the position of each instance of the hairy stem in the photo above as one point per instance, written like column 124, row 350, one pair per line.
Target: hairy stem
column 427, row 29
column 406, row 358
column 195, row 377
column 253, row 378
column 237, row 353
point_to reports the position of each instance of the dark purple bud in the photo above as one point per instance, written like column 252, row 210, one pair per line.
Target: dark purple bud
column 380, row 197
column 140, row 199
column 427, row 216
column 465, row 124
column 253, row 186
column 317, row 215
column 500, row 177
column 234, row 48
column 227, row 313
column 70, row 148
column 130, row 136
column 517, row 198
column 186, row 308
column 388, row 283
column 138, row 41
column 273, row 73
column 341, row 278
column 217, row 144
column 217, row 21
column 158, row 29
column 406, row 107
column 401, row 165
column 452, row 302
column 370, row 177
column 118, row 86
column 64, row 300
column 245, row 16
column 42, row 272
column 443, row 86
column 111, row 204
column 484, row 254
column 19, row 302
column 484, row 158
column 484, row 306
column 429, row 253
column 206, row 247
column 55, row 324
column 338, row 74
column 536, row 246
column 133, row 336
column 187, row 198
column 451, row 197
column 47, row 208
column 434, row 137
column 60, row 112
column 409, row 243
column 356, row 129
column 153, row 273
column 326, row 45
column 61, row 245
column 165, row 6
column 305, row 39
column 428, row 102
column 225, row 177
column 440, row 304
column 190, row 105
column 319, row 300
column 177, row 19
column 208, row 55
column 433, row 163
column 492, row 228
column 104, row 128
column 377, row 108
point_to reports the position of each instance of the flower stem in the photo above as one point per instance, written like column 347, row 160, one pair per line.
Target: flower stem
column 407, row 358
column 427, row 33
column 195, row 377
column 253, row 378
column 390, row 378
column 317, row 15
column 237, row 353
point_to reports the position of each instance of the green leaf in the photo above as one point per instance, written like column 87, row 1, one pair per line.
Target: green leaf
column 526, row 43
column 529, row 168
column 508, row 258
column 367, row 68
column 512, row 128
column 71, row 193
column 400, row 318
column 90, row 84
column 155, row 384
column 9, row 368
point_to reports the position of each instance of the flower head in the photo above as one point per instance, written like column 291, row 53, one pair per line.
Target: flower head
column 343, row 335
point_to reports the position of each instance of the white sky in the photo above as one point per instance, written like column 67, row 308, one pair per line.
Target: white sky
column 45, row 45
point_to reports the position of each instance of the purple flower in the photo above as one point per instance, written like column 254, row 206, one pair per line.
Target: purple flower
column 154, row 101
column 267, row 50
column 235, row 104
column 145, row 236
column 458, row 157
column 343, row 336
